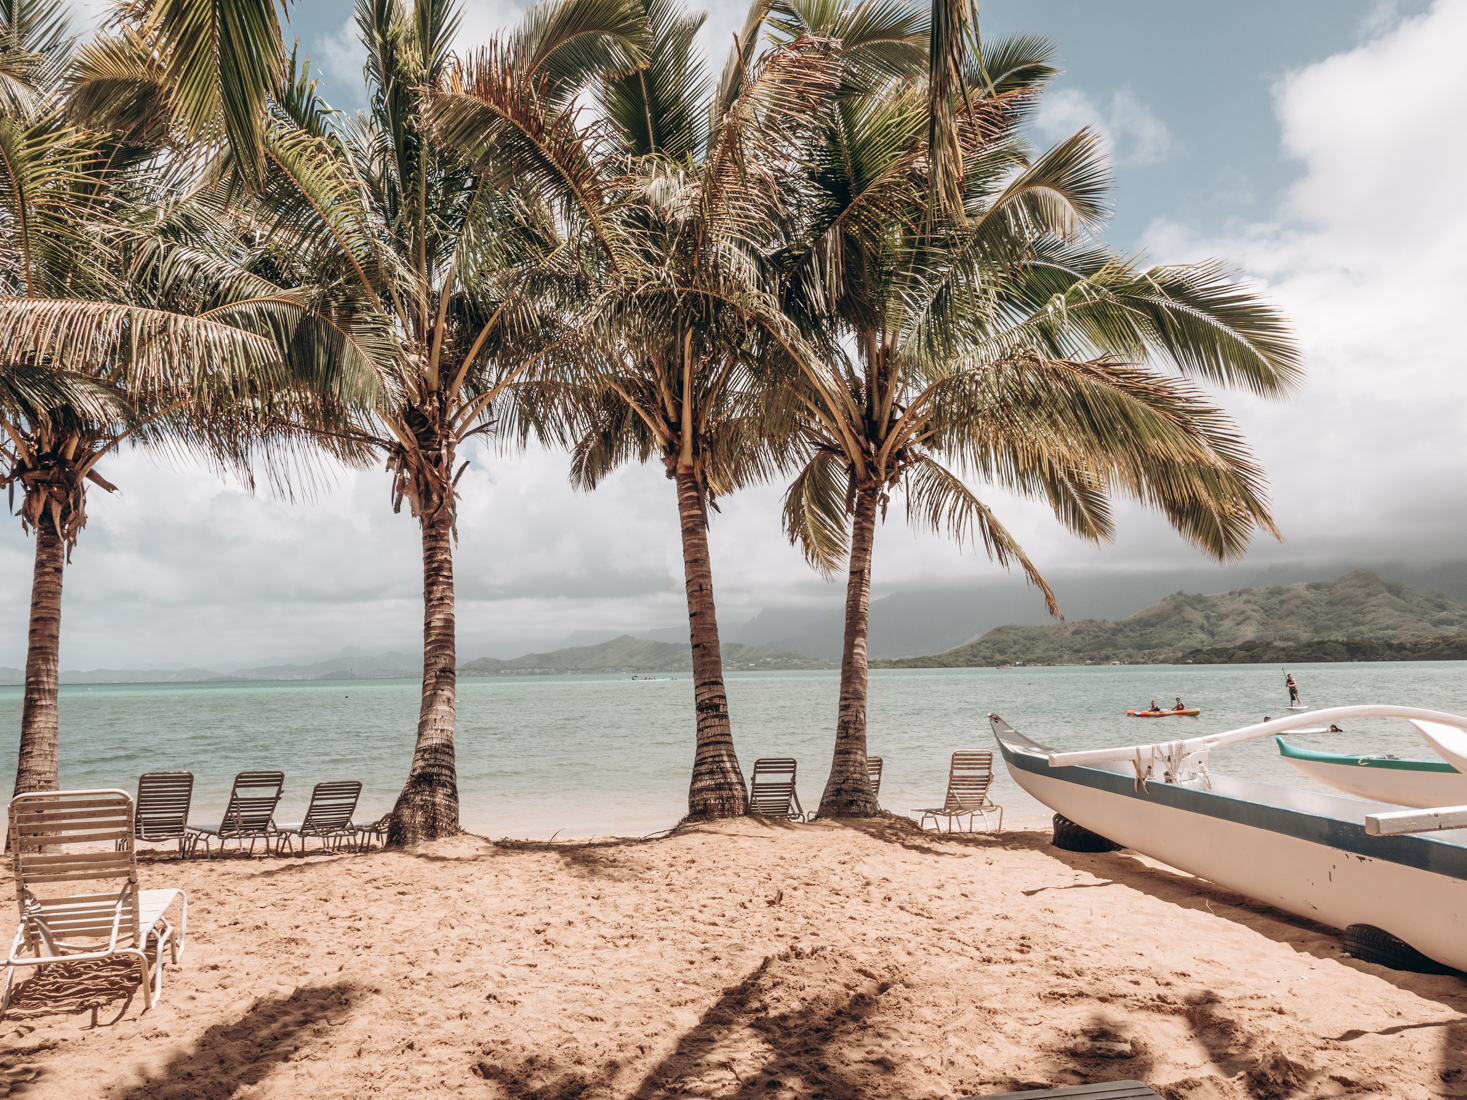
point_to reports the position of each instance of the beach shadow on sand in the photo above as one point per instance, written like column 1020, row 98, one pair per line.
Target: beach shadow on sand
column 246, row 1050
column 102, row 988
column 1304, row 936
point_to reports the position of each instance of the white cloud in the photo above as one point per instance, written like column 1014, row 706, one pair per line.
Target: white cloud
column 1368, row 256
column 1132, row 133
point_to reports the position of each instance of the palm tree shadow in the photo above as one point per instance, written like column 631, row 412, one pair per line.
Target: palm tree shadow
column 1303, row 935
column 890, row 828
column 246, row 1050
column 804, row 1025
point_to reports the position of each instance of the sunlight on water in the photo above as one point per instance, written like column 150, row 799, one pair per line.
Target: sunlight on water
column 586, row 755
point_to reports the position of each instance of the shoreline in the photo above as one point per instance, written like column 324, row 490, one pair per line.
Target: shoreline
column 837, row 961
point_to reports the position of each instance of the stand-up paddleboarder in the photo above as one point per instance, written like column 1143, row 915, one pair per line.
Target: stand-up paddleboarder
column 1293, row 688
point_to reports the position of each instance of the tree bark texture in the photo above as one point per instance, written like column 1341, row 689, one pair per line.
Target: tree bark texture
column 427, row 809
column 717, row 789
column 36, row 769
column 848, row 790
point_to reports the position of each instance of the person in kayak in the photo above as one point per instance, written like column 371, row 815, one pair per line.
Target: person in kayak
column 1179, row 705
column 1154, row 709
column 1293, row 688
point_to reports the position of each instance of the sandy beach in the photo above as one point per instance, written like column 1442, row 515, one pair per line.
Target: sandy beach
column 746, row 959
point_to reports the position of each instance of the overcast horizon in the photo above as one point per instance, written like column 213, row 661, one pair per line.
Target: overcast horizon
column 1325, row 165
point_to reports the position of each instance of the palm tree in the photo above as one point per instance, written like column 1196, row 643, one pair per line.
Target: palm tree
column 990, row 340
column 112, row 330
column 691, row 197
column 441, row 272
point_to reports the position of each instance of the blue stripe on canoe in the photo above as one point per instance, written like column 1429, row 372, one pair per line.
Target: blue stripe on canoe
column 1437, row 856
column 1296, row 753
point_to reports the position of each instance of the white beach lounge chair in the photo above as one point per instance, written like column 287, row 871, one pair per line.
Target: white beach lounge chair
column 968, row 780
column 874, row 764
column 328, row 817
column 250, row 814
column 59, row 839
column 161, row 810
column 772, row 789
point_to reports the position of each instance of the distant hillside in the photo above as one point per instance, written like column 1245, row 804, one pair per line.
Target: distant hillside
column 634, row 655
column 385, row 666
column 1440, row 647
column 10, row 677
column 1358, row 605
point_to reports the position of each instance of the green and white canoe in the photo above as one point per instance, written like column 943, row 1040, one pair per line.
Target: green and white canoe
column 1381, row 778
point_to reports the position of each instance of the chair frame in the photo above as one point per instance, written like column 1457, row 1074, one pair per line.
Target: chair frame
column 160, row 827
column 874, row 767
column 247, row 817
column 328, row 817
column 377, row 830
column 42, row 824
column 766, row 796
column 968, row 779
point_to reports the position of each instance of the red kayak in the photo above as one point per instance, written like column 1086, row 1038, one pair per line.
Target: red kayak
column 1190, row 712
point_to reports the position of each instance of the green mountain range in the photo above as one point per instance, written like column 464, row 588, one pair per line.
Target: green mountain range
column 1358, row 606
column 637, row 655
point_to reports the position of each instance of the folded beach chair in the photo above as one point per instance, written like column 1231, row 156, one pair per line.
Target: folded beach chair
column 873, row 772
column 967, row 792
column 250, row 813
column 161, row 810
column 1105, row 1090
column 772, row 789
column 328, row 818
column 85, row 904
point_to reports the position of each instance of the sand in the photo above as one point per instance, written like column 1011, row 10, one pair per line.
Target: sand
column 746, row 959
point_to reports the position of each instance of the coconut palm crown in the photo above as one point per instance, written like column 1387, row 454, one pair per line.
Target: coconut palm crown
column 998, row 341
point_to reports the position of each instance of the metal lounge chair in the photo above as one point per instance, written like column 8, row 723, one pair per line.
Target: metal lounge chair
column 1105, row 1090
column 112, row 916
column 376, row 830
column 250, row 814
column 328, row 818
column 873, row 773
column 161, row 810
column 968, row 781
column 772, row 789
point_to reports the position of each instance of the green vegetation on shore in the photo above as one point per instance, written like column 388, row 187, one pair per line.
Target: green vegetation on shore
column 1440, row 647
column 1380, row 619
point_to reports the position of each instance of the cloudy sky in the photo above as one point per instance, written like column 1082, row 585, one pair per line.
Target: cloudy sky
column 1316, row 145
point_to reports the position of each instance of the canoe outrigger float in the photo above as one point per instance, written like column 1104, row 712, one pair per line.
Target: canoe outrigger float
column 1341, row 861
column 1420, row 783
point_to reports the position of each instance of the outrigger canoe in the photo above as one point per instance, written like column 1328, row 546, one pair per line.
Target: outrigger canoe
column 1341, row 861
column 1384, row 778
column 1189, row 712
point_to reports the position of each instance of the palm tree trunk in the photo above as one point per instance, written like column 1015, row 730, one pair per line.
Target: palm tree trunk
column 427, row 809
column 36, row 770
column 717, row 789
column 848, row 790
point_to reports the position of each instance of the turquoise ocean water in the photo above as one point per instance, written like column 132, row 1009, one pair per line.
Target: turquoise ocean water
column 587, row 755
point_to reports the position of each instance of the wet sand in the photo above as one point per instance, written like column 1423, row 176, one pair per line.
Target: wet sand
column 746, row 960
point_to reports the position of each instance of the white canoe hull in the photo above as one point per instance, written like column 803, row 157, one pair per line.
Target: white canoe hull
column 1400, row 787
column 1303, row 852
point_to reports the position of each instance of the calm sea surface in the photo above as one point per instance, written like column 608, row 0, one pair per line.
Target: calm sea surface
column 586, row 755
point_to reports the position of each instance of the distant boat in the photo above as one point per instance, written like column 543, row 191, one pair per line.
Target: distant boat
column 1185, row 712
column 1340, row 861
